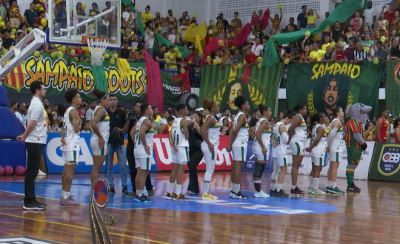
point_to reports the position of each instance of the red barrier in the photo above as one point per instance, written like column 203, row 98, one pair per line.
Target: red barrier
column 162, row 150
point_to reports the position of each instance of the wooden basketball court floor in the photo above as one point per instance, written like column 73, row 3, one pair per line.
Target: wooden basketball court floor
column 368, row 217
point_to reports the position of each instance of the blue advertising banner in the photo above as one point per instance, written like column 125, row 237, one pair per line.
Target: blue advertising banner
column 55, row 163
column 251, row 159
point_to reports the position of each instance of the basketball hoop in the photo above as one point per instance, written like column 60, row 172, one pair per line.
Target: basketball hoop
column 97, row 48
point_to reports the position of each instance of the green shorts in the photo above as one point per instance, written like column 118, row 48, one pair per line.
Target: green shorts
column 353, row 155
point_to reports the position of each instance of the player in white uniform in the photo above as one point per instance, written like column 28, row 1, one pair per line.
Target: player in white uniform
column 297, row 139
column 262, row 139
column 317, row 149
column 238, row 139
column 335, row 147
column 210, row 131
column 70, row 144
column 279, row 140
column 101, row 130
column 143, row 150
column 178, row 138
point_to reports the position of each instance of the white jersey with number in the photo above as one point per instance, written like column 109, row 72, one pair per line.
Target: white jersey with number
column 103, row 125
column 72, row 139
column 300, row 132
column 178, row 136
column 139, row 148
column 243, row 134
column 338, row 142
column 280, row 150
column 265, row 136
column 213, row 132
column 320, row 148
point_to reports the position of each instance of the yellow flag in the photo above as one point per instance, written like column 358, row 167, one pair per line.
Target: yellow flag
column 123, row 67
column 196, row 34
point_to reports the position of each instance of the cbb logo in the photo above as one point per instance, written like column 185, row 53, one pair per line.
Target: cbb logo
column 391, row 157
column 389, row 162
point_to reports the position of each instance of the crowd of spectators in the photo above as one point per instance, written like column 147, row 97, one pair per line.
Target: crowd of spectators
column 365, row 35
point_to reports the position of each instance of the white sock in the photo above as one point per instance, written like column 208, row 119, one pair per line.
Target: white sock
column 66, row 195
column 206, row 187
column 311, row 179
column 272, row 186
column 333, row 185
column 329, row 183
column 237, row 188
column 278, row 187
column 316, row 181
column 62, row 194
column 171, row 187
column 293, row 187
column 139, row 192
column 178, row 189
column 233, row 187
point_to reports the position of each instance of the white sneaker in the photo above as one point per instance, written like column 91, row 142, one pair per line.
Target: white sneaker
column 319, row 192
column 41, row 173
column 261, row 194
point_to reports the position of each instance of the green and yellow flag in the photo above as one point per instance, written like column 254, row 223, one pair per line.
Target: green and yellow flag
column 325, row 86
column 255, row 84
column 393, row 87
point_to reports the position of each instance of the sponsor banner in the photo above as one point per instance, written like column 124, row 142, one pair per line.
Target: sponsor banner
column 361, row 172
column 362, row 169
column 249, row 165
column 386, row 162
column 325, row 86
column 162, row 151
column 60, row 74
column 55, row 163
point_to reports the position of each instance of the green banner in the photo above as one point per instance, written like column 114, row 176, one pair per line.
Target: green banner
column 385, row 162
column 174, row 87
column 257, row 85
column 324, row 86
column 58, row 75
column 393, row 87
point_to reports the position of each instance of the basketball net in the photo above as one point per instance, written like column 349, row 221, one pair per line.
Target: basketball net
column 97, row 48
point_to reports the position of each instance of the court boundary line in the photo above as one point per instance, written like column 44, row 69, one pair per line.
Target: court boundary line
column 81, row 227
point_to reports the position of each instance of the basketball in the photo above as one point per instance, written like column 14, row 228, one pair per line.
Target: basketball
column 1, row 170
column 20, row 170
column 8, row 170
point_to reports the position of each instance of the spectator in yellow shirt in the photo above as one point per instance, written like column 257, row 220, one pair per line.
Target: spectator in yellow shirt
column 311, row 17
column 327, row 42
column 317, row 54
column 147, row 16
column 172, row 68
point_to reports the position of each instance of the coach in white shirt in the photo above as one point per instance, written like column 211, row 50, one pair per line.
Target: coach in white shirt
column 369, row 16
column 35, row 138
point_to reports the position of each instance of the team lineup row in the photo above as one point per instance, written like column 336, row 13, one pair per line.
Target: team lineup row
column 324, row 140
